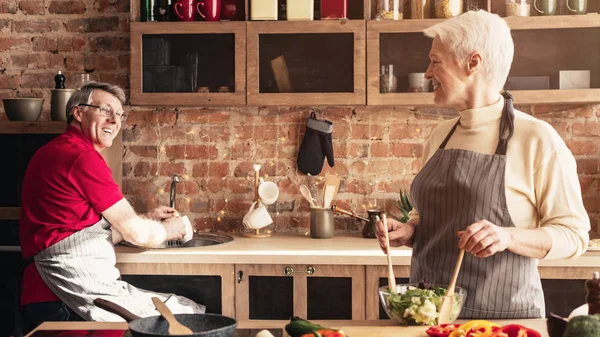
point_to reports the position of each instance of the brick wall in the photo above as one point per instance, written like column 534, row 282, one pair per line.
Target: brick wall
column 377, row 148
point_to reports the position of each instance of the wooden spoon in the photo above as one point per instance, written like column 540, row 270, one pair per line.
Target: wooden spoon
column 391, row 277
column 448, row 299
column 175, row 328
column 306, row 194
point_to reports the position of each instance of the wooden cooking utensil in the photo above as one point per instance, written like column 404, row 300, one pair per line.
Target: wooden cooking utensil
column 333, row 181
column 391, row 277
column 306, row 194
column 448, row 299
column 175, row 328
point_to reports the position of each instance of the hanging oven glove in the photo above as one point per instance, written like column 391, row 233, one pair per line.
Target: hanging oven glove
column 316, row 144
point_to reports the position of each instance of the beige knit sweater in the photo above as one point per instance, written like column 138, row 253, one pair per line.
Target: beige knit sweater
column 542, row 187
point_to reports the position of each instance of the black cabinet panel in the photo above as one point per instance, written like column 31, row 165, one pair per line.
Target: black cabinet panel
column 204, row 290
column 383, row 281
column 271, row 297
column 16, row 153
column 329, row 298
column 562, row 296
column 9, row 233
column 9, row 263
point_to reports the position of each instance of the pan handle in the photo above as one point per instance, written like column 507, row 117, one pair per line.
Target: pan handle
column 116, row 309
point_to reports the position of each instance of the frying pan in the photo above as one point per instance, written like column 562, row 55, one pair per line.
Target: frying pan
column 203, row 325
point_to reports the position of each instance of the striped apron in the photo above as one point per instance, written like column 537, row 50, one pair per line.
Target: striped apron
column 453, row 190
column 81, row 267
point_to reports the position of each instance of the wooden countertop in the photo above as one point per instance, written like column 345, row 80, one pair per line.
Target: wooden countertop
column 381, row 328
column 298, row 249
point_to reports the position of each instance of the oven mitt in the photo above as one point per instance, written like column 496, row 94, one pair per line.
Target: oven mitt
column 316, row 144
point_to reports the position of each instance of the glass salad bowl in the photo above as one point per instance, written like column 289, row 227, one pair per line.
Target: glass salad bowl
column 412, row 305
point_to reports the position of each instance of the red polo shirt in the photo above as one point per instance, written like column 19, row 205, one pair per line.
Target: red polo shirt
column 66, row 186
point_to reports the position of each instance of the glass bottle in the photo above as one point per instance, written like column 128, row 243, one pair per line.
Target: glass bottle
column 389, row 10
column 518, row 8
column 387, row 80
column 592, row 287
column 448, row 8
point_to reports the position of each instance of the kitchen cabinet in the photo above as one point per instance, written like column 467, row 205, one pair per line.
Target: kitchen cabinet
column 207, row 284
column 188, row 63
column 543, row 47
column 324, row 62
column 315, row 292
column 311, row 62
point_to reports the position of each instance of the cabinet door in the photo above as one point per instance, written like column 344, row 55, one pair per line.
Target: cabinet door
column 188, row 63
column 207, row 284
column 315, row 292
column 306, row 62
column 376, row 277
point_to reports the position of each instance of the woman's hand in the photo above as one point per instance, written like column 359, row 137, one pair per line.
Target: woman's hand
column 161, row 213
column 484, row 239
column 400, row 234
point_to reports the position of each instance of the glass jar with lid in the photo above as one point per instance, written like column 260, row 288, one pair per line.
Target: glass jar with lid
column 472, row 5
column 448, row 8
column 518, row 8
column 388, row 10
column 420, row 9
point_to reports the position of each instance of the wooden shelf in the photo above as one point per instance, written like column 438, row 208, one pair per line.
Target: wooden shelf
column 520, row 97
column 9, row 213
column 355, row 27
column 236, row 98
column 15, row 127
column 515, row 23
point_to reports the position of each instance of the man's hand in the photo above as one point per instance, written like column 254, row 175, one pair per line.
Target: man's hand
column 400, row 234
column 161, row 213
column 484, row 239
column 175, row 228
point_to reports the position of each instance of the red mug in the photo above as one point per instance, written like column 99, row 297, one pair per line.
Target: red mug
column 211, row 9
column 185, row 10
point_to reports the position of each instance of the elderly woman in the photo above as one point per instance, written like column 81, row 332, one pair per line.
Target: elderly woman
column 496, row 182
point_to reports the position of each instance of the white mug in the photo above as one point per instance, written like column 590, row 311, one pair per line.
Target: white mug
column 189, row 231
column 268, row 192
column 257, row 217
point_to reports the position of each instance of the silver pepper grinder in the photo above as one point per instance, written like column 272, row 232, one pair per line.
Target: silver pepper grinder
column 60, row 97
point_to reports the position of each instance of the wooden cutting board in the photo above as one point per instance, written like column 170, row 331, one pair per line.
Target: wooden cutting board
column 419, row 331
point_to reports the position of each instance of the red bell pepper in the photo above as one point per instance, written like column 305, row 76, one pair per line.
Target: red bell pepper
column 442, row 330
column 515, row 330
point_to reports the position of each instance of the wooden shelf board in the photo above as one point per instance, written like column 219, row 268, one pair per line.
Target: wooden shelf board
column 9, row 213
column 302, row 27
column 515, row 23
column 520, row 96
column 14, row 127
column 178, row 27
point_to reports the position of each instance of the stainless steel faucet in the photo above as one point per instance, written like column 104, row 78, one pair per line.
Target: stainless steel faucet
column 174, row 180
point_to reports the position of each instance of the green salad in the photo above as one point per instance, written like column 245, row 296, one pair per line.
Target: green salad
column 418, row 306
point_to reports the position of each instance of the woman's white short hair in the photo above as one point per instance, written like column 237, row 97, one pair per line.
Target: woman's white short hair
column 481, row 32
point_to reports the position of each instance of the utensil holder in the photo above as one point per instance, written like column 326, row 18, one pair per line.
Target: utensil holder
column 322, row 224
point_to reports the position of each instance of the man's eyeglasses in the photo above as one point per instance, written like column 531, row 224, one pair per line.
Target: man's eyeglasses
column 107, row 112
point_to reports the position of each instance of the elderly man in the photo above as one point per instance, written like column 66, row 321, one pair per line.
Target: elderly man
column 73, row 213
column 496, row 182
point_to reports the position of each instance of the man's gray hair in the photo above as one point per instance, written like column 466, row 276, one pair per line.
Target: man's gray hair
column 84, row 95
column 481, row 32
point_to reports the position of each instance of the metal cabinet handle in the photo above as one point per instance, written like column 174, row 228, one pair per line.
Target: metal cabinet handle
column 289, row 270
column 240, row 276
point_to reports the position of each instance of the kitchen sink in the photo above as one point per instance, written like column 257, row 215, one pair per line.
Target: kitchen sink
column 201, row 240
